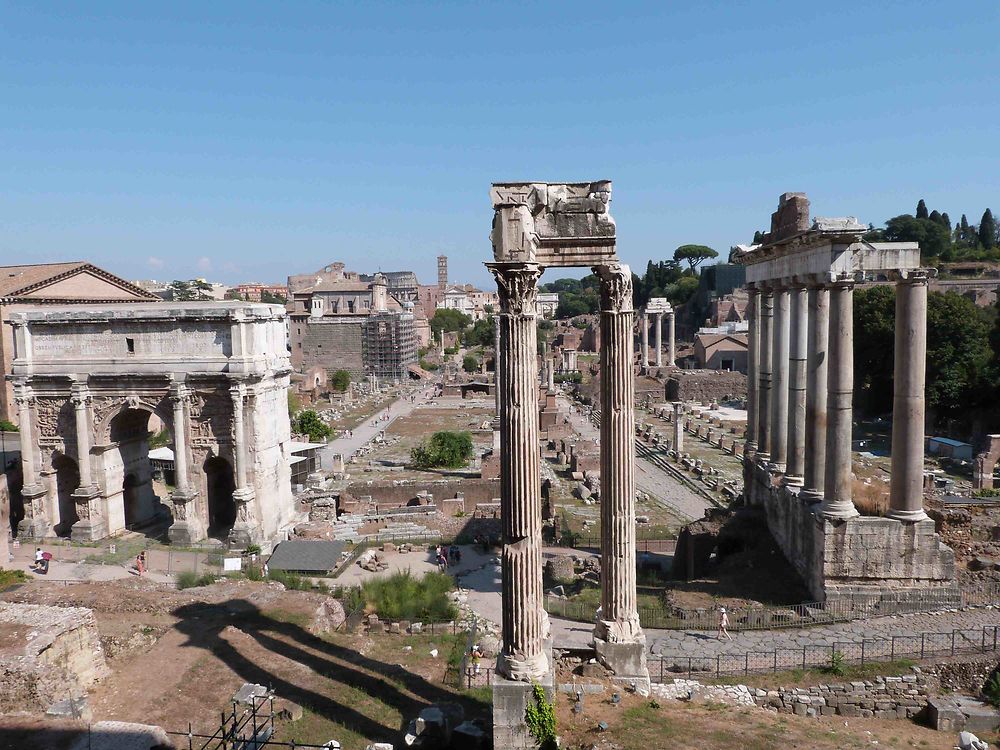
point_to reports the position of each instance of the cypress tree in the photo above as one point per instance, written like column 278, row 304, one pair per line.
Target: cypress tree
column 987, row 230
column 946, row 221
column 921, row 209
column 965, row 229
column 757, row 237
column 935, row 216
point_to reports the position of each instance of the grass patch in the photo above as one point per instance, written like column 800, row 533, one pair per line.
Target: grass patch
column 9, row 578
column 403, row 596
column 188, row 579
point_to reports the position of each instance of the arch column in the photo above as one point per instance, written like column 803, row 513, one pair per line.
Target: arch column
column 93, row 524
column 187, row 527
column 618, row 638
column 36, row 523
column 246, row 531
column 525, row 624
column 659, row 339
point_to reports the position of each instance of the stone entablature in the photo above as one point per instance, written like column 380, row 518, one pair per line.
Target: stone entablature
column 88, row 381
column 800, row 405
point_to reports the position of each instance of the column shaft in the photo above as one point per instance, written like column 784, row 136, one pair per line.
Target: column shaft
column 764, row 370
column 239, row 438
column 816, row 394
column 180, row 442
column 753, row 349
column 659, row 339
column 522, row 657
column 671, row 343
column 619, row 621
column 29, row 469
column 81, row 398
column 779, row 382
column 644, row 323
column 906, row 492
column 837, row 491
column 798, row 337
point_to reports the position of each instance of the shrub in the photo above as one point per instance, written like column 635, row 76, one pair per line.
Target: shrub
column 188, row 579
column 991, row 690
column 291, row 581
column 7, row 426
column 450, row 450
column 470, row 363
column 987, row 492
column 429, row 366
column 10, row 578
column 403, row 596
column 309, row 423
column 341, row 380
column 540, row 717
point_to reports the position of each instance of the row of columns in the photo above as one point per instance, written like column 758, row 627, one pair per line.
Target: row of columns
column 671, row 340
column 801, row 377
column 525, row 623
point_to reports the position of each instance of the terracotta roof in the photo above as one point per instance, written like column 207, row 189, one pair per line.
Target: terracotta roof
column 340, row 286
column 17, row 281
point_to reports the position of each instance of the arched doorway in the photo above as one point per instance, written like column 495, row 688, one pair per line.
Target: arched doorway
column 132, row 503
column 67, row 481
column 220, row 485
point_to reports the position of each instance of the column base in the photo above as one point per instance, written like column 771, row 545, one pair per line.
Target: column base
column 89, row 530
column 518, row 668
column 793, row 480
column 907, row 516
column 775, row 467
column 839, row 511
column 811, row 496
column 627, row 661
column 243, row 535
column 185, row 533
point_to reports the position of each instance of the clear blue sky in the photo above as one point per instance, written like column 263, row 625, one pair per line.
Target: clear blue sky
column 246, row 141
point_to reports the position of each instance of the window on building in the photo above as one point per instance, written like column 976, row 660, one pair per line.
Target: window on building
column 130, row 345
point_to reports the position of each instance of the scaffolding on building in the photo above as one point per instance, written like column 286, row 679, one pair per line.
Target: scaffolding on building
column 389, row 344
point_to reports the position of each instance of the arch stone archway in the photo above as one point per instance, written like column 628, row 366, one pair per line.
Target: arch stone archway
column 90, row 382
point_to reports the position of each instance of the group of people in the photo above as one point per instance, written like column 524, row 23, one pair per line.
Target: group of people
column 446, row 555
column 41, row 563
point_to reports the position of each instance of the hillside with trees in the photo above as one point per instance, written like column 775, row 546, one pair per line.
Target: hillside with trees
column 940, row 240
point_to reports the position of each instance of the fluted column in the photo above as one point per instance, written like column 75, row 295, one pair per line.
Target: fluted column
column 798, row 339
column 645, row 340
column 779, row 382
column 671, row 343
column 838, row 501
column 817, row 362
column 36, row 522
column 659, row 339
column 906, row 492
column 764, row 372
column 619, row 621
column 753, row 351
column 524, row 623
column 177, row 397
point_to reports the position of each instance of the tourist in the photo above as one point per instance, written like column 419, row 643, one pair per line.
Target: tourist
column 39, row 559
column 477, row 655
column 139, row 567
column 723, row 624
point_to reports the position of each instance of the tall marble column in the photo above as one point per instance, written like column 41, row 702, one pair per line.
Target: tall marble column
column 187, row 527
column 753, row 353
column 659, row 339
column 245, row 530
column 80, row 396
column 619, row 641
column 764, row 372
column 644, row 336
column 906, row 493
column 817, row 361
column 838, row 494
column 779, row 382
column 678, row 427
column 91, row 524
column 524, row 623
column 798, row 340
column 35, row 523
column 671, row 343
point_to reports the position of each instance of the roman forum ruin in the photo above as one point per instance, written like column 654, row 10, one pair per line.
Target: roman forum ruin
column 90, row 380
column 539, row 225
column 798, row 467
column 655, row 309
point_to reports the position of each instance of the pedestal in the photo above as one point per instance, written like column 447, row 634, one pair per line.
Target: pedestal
column 91, row 526
column 510, row 701
column 33, row 525
column 186, row 529
column 627, row 661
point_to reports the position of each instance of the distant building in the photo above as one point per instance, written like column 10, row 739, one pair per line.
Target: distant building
column 253, row 291
column 403, row 285
column 442, row 271
column 467, row 299
column 75, row 283
column 721, row 351
column 714, row 282
column 341, row 322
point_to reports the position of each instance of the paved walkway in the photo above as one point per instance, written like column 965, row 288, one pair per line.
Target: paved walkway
column 660, row 486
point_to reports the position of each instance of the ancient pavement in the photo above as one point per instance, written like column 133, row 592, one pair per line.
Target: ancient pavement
column 659, row 485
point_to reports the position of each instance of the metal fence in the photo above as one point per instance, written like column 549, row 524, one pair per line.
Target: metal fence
column 122, row 553
column 918, row 646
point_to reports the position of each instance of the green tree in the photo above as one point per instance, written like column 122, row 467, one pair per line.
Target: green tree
column 341, row 381
column 470, row 363
column 294, row 403
column 933, row 238
column 682, row 290
column 449, row 450
column 758, row 237
column 921, row 209
column 874, row 334
column 987, row 230
column 958, row 352
column 571, row 305
column 272, row 299
column 946, row 221
column 309, row 423
column 694, row 255
column 189, row 291
column 482, row 332
column 449, row 319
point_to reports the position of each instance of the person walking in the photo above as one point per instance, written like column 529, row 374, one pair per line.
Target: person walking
column 723, row 624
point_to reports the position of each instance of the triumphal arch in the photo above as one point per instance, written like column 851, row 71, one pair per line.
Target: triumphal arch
column 93, row 384
column 538, row 225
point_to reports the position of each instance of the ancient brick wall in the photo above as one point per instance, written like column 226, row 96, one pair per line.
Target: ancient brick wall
column 705, row 385
column 334, row 343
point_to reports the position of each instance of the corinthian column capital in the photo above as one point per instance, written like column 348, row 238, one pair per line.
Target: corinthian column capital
column 517, row 286
column 616, row 287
